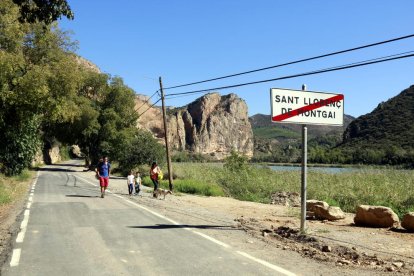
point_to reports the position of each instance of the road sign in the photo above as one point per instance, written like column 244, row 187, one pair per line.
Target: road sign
column 315, row 108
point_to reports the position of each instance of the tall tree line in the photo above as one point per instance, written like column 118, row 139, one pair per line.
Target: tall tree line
column 46, row 94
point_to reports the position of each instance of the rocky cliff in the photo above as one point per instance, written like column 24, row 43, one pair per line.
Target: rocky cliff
column 212, row 125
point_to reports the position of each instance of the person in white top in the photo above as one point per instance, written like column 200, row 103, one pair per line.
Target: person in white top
column 130, row 182
column 137, row 183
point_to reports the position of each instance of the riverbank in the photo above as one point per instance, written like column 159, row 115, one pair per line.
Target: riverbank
column 386, row 187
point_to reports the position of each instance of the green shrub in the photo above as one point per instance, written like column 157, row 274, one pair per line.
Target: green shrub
column 386, row 187
column 18, row 145
column 192, row 186
column 65, row 152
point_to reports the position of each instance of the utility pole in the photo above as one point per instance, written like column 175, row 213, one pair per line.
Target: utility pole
column 164, row 115
column 304, row 175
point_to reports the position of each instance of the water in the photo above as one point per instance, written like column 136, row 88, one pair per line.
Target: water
column 333, row 170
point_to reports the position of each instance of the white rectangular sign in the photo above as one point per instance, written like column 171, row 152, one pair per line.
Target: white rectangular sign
column 306, row 107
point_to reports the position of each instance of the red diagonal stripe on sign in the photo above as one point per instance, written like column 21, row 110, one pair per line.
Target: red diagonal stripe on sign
column 310, row 107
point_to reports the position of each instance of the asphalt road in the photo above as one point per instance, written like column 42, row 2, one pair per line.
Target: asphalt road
column 67, row 229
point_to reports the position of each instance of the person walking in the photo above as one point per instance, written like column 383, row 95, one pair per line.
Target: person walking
column 154, row 171
column 130, row 182
column 103, row 170
column 137, row 183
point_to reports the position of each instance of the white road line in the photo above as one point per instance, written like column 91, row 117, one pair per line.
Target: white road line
column 269, row 265
column 25, row 219
column 174, row 222
column 15, row 257
column 212, row 239
column 262, row 262
column 23, row 227
column 20, row 236
column 148, row 210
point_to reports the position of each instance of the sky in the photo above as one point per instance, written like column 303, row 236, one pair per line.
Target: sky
column 184, row 41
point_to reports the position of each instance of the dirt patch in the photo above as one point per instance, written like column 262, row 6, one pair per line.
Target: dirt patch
column 339, row 242
column 9, row 215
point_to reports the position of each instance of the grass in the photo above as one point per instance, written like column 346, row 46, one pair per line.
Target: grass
column 185, row 181
column 385, row 187
column 12, row 188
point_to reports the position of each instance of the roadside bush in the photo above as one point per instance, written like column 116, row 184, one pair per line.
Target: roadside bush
column 140, row 150
column 19, row 145
column 192, row 186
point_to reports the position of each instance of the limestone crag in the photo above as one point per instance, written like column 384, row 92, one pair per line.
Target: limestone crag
column 86, row 64
column 212, row 125
column 150, row 117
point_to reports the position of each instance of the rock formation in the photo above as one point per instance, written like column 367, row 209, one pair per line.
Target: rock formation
column 86, row 64
column 212, row 125
column 150, row 118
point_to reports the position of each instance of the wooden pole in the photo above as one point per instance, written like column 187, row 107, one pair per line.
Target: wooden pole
column 164, row 115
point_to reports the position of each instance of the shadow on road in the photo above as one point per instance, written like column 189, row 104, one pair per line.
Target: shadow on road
column 68, row 165
column 171, row 226
column 54, row 170
column 82, row 196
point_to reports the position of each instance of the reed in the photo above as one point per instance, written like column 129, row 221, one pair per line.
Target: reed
column 385, row 187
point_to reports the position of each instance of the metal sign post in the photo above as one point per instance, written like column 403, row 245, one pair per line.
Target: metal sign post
column 310, row 108
column 304, row 175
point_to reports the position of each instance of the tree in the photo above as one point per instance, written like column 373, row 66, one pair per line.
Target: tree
column 46, row 11
column 236, row 162
column 141, row 149
column 19, row 144
column 38, row 84
column 46, row 93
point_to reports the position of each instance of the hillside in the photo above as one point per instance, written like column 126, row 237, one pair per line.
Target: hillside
column 275, row 142
column 386, row 135
column 263, row 127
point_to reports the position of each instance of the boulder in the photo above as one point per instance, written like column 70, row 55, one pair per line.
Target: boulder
column 333, row 213
column 408, row 221
column 322, row 210
column 76, row 151
column 285, row 199
column 312, row 203
column 375, row 216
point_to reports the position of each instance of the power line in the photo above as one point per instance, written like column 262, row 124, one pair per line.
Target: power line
column 175, row 95
column 296, row 61
column 357, row 64
column 146, row 101
column 149, row 107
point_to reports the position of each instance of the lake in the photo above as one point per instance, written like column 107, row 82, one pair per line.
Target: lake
column 314, row 169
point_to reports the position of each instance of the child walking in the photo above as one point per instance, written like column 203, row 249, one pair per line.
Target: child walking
column 130, row 182
column 137, row 183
